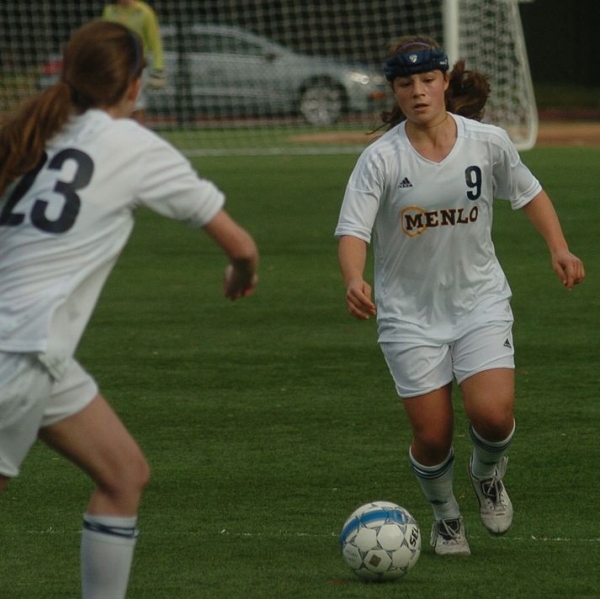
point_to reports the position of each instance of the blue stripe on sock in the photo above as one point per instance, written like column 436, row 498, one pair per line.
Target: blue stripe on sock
column 481, row 443
column 115, row 531
column 433, row 474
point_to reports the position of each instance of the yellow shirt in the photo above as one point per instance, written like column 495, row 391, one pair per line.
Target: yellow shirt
column 141, row 19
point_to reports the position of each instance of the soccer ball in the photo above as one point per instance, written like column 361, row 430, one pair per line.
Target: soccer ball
column 381, row 541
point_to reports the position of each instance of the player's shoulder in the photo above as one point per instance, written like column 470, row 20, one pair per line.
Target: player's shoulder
column 130, row 127
column 97, row 131
column 122, row 127
column 387, row 145
column 142, row 141
column 483, row 132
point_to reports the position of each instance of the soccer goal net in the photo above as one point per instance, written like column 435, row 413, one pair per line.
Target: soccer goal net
column 281, row 76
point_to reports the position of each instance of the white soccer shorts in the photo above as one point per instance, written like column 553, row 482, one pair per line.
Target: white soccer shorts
column 31, row 399
column 419, row 369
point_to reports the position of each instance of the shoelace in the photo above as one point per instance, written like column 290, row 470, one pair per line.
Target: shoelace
column 492, row 489
column 449, row 529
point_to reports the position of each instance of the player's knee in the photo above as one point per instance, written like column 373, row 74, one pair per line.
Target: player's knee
column 129, row 480
column 431, row 448
column 139, row 476
column 495, row 426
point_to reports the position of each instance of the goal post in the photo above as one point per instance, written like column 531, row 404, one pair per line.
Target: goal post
column 488, row 36
column 281, row 76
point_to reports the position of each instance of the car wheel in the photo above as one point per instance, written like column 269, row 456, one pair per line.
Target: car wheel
column 322, row 102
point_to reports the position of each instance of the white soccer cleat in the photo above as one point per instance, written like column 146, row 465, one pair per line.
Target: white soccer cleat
column 495, row 507
column 448, row 537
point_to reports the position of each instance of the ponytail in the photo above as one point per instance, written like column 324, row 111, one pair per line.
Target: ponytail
column 24, row 136
column 467, row 92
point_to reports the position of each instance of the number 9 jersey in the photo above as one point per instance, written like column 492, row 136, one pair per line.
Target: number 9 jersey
column 436, row 273
column 64, row 224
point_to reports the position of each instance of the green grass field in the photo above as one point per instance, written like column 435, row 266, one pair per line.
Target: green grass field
column 267, row 421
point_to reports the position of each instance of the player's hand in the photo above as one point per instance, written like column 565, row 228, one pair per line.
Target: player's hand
column 238, row 282
column 569, row 268
column 156, row 80
column 358, row 299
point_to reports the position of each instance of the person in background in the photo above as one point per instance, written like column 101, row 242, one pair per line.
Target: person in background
column 424, row 193
column 142, row 19
column 73, row 170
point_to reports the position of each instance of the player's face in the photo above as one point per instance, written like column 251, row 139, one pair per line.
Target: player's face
column 421, row 97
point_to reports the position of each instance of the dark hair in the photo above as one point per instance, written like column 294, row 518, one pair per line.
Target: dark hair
column 467, row 91
column 100, row 61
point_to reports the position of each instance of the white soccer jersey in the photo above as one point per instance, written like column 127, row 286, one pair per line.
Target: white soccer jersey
column 436, row 272
column 63, row 226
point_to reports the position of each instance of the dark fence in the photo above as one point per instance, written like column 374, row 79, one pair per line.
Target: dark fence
column 563, row 41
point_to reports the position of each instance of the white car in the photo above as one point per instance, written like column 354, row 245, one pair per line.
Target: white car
column 231, row 72
column 219, row 71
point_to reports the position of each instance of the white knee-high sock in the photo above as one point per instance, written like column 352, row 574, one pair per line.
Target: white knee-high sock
column 107, row 544
column 487, row 454
column 436, row 484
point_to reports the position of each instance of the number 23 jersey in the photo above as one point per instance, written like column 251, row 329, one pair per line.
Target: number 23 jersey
column 436, row 272
column 64, row 224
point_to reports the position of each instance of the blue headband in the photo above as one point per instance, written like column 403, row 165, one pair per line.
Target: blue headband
column 412, row 63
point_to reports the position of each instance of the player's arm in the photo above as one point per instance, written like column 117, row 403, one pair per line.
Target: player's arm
column 352, row 257
column 567, row 266
column 241, row 273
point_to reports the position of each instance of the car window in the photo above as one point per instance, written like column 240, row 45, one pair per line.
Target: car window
column 213, row 43
column 228, row 44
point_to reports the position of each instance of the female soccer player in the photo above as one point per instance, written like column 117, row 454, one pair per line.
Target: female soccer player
column 424, row 192
column 73, row 169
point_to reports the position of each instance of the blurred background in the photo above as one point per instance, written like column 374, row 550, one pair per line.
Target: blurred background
column 297, row 68
column 562, row 38
column 563, row 45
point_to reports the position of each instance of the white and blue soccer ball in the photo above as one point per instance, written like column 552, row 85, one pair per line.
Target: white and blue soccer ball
column 381, row 541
